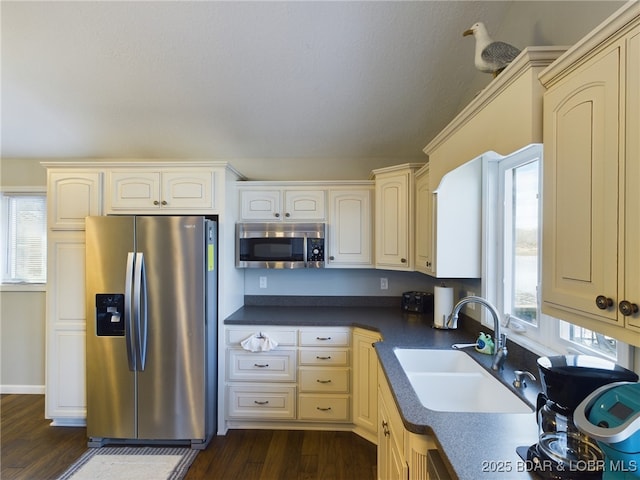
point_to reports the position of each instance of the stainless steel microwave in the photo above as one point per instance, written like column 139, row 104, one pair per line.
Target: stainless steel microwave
column 280, row 245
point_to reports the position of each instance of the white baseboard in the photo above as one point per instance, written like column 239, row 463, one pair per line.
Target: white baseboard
column 22, row 389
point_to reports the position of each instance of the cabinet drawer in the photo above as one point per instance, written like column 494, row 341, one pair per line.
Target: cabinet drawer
column 330, row 380
column 326, row 356
column 274, row 366
column 263, row 402
column 285, row 338
column 324, row 337
column 326, row 408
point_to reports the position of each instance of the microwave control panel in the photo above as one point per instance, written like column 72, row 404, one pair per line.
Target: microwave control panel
column 315, row 250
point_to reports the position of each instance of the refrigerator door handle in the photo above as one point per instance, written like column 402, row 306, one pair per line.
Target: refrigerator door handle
column 140, row 296
column 128, row 313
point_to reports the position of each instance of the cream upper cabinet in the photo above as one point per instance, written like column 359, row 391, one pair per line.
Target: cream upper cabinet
column 350, row 231
column 287, row 204
column 394, row 218
column 591, row 222
column 176, row 189
column 424, row 222
column 72, row 196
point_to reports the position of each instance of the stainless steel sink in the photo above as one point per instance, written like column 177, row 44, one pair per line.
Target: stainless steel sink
column 451, row 381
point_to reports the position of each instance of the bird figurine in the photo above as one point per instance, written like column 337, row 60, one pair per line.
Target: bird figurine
column 490, row 57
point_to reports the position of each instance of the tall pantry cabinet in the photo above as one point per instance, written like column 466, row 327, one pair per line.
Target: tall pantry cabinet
column 72, row 196
column 76, row 190
column 591, row 201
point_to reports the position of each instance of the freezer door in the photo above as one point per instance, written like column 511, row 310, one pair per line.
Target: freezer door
column 171, row 388
column 110, row 382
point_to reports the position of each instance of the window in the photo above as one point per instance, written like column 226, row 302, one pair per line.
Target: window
column 24, row 237
column 512, row 245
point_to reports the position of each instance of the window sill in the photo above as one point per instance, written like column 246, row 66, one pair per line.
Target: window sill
column 23, row 287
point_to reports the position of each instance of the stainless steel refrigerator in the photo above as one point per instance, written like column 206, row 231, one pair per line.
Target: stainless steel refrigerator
column 151, row 329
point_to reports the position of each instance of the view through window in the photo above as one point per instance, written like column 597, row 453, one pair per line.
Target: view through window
column 24, row 239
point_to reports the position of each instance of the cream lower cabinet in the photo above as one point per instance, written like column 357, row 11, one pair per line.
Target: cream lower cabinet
column 306, row 378
column 591, row 172
column 261, row 385
column 324, row 375
column 365, row 383
column 401, row 454
column 392, row 464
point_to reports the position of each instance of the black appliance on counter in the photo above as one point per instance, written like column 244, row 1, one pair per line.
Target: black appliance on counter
column 418, row 302
column 563, row 452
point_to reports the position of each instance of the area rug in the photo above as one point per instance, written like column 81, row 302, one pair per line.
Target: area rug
column 131, row 463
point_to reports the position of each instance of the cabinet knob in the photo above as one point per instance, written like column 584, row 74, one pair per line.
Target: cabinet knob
column 156, row 202
column 287, row 214
column 627, row 308
column 277, row 215
column 164, row 202
column 603, row 302
column 403, row 260
column 332, row 257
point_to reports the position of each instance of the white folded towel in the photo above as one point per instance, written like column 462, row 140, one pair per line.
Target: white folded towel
column 258, row 342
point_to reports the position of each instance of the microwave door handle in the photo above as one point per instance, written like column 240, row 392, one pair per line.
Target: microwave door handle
column 129, row 313
column 304, row 249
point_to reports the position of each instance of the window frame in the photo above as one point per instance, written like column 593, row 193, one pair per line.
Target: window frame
column 20, row 191
column 545, row 338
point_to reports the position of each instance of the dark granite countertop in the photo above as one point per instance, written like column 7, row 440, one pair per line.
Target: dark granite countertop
column 475, row 445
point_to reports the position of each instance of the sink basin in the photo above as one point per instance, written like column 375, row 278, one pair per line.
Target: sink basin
column 451, row 381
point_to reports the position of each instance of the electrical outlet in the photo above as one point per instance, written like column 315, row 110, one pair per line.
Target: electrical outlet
column 384, row 283
column 263, row 282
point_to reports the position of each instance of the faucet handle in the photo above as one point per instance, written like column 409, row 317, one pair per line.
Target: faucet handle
column 520, row 380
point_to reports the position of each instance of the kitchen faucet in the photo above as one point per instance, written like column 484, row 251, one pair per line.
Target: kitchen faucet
column 500, row 340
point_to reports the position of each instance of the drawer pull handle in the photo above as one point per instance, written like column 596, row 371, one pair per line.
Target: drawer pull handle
column 323, row 381
column 326, row 409
column 266, row 402
column 323, row 358
column 261, row 366
column 323, row 338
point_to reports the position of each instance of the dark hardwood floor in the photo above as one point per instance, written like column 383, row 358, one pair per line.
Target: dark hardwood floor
column 30, row 449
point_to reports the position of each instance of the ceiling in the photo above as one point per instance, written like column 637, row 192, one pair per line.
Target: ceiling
column 266, row 81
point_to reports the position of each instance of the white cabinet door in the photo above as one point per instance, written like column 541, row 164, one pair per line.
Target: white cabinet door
column 365, row 384
column 580, row 238
column 149, row 190
column 308, row 205
column 72, row 196
column 424, row 223
column 279, row 204
column 134, row 190
column 392, row 221
column 188, row 190
column 349, row 231
column 66, row 327
column 262, row 205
